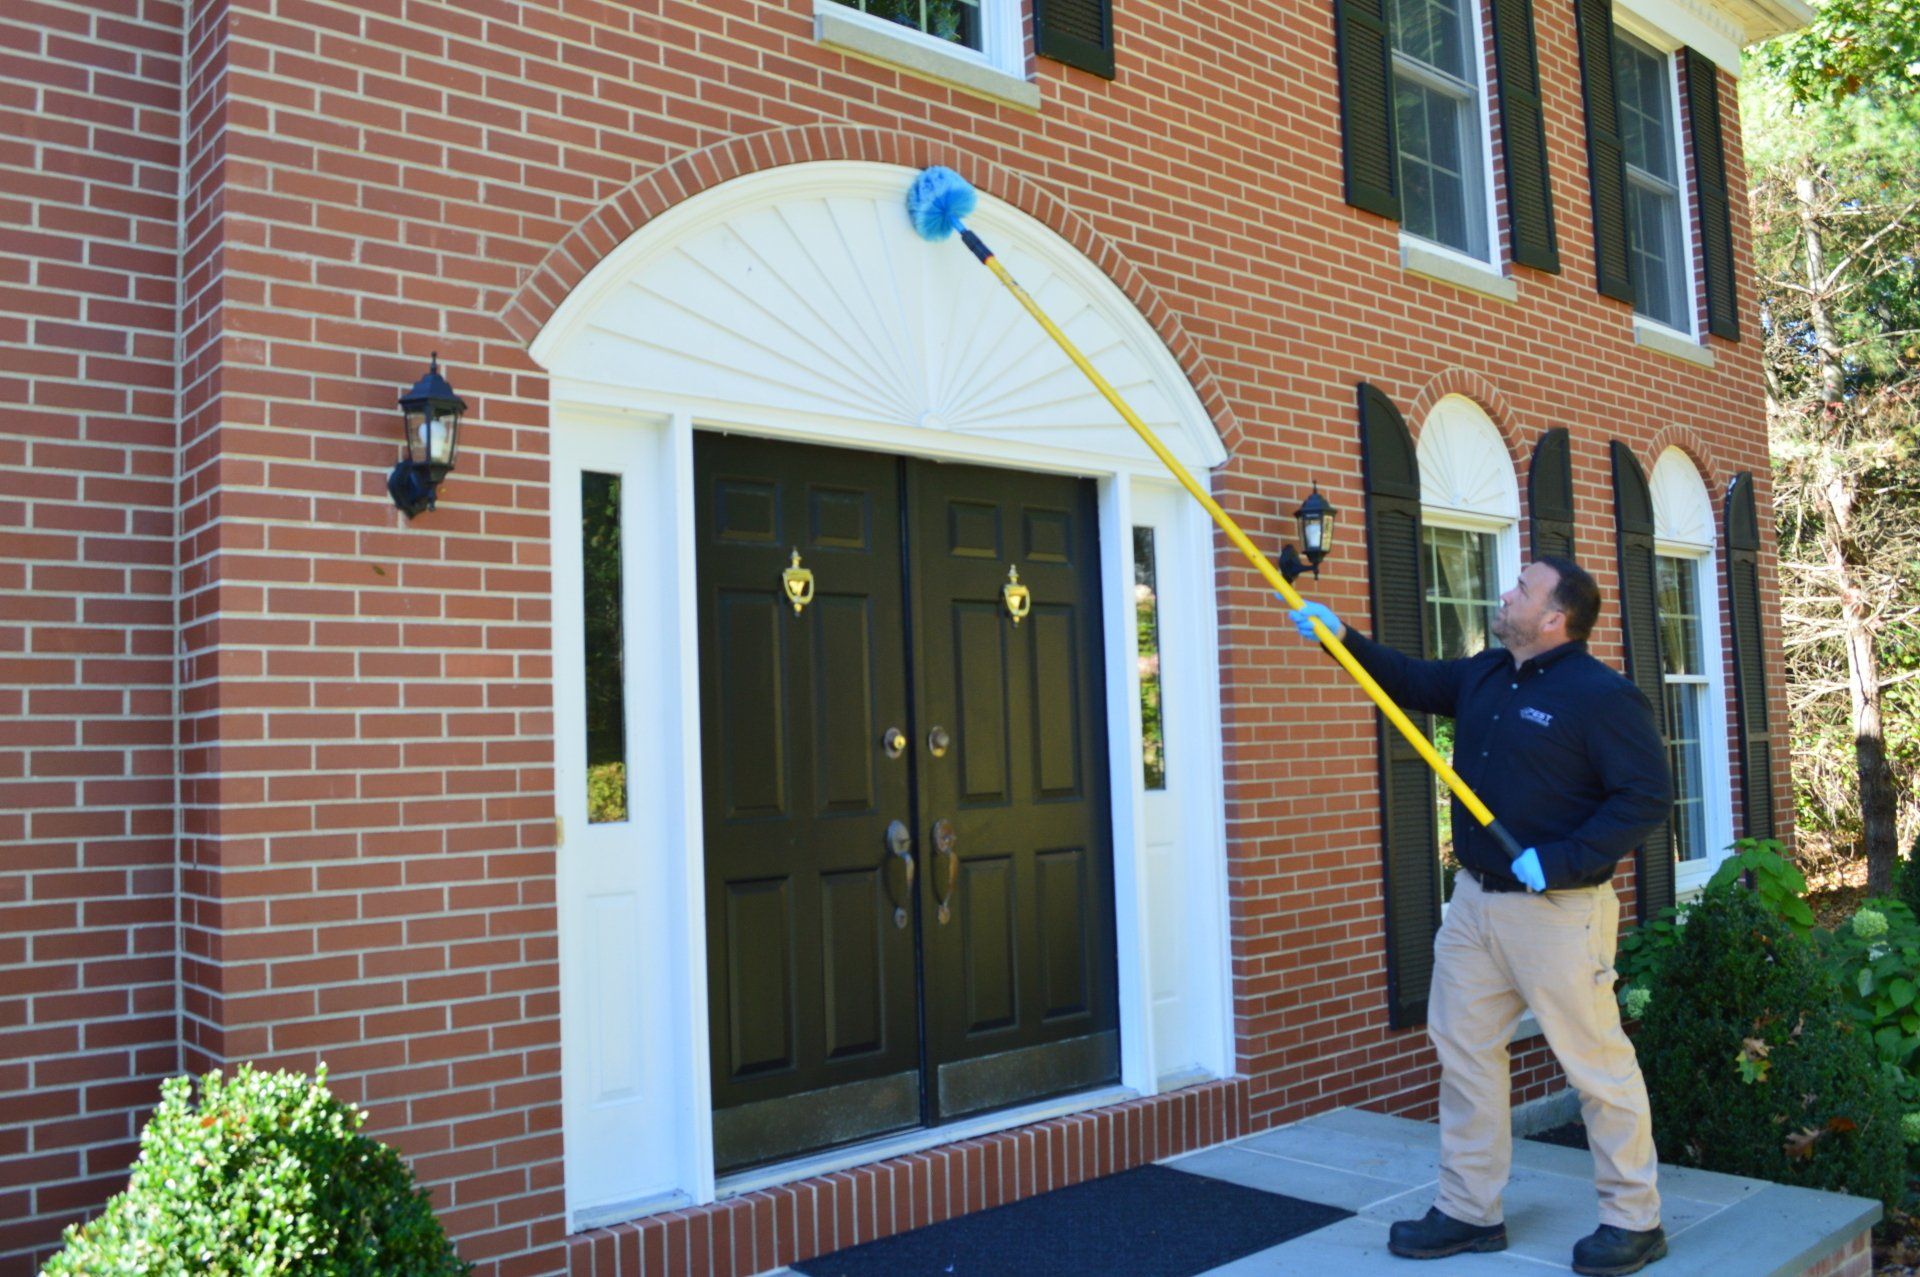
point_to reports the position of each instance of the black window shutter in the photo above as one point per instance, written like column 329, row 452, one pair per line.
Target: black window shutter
column 1365, row 53
column 1408, row 824
column 1550, row 495
column 1640, row 619
column 1749, row 658
column 1606, row 157
column 1710, row 187
column 1524, row 133
column 1076, row 32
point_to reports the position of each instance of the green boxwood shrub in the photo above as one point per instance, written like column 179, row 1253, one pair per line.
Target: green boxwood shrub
column 266, row 1175
column 1754, row 1066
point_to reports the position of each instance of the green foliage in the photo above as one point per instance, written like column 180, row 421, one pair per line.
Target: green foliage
column 606, row 792
column 1779, row 887
column 1753, row 1065
column 1876, row 962
column 1782, row 888
column 267, row 1175
column 1852, row 47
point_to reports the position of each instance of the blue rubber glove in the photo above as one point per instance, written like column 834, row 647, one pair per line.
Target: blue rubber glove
column 1527, row 869
column 1303, row 618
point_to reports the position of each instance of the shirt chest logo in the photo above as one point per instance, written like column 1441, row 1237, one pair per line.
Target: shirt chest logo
column 1540, row 717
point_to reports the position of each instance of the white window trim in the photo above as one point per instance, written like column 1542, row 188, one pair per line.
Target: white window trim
column 1493, row 261
column 1650, row 333
column 996, row 70
column 1716, row 767
column 1663, row 49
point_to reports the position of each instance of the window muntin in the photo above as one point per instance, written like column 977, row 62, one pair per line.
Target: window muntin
column 1146, row 613
column 1656, row 210
column 1463, row 590
column 1677, row 582
column 954, row 21
column 1437, row 111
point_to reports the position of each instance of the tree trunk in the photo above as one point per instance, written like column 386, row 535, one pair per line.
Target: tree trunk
column 1836, row 494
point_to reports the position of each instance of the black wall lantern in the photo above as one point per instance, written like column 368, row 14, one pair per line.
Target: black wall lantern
column 1315, row 518
column 432, row 413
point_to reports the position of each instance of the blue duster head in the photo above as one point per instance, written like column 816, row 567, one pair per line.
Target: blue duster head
column 938, row 202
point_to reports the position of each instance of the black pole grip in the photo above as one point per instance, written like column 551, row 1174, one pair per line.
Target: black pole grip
column 1506, row 840
column 977, row 245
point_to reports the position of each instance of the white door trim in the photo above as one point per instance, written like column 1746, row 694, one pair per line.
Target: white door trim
column 628, row 391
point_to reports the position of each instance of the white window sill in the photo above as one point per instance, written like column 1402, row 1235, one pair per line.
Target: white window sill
column 1417, row 257
column 850, row 31
column 1668, row 341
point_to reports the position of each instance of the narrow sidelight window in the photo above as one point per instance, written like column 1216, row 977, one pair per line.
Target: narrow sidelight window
column 1686, row 680
column 1436, row 93
column 1656, row 208
column 606, row 686
column 1146, row 615
column 955, row 21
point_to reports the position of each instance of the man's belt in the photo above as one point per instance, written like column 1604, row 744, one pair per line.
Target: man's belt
column 1488, row 882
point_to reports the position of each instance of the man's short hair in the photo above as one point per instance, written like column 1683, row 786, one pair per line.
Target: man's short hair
column 1577, row 594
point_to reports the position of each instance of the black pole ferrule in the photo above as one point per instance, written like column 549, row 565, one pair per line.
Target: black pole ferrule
column 975, row 243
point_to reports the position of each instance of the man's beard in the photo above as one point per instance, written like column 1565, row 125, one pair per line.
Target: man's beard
column 1509, row 632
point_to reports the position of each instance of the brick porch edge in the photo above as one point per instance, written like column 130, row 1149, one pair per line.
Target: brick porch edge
column 777, row 1226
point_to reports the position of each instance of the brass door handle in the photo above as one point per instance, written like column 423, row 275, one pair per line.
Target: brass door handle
column 949, row 871
column 900, row 845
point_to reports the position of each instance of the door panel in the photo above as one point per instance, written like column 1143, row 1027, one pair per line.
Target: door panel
column 811, row 980
column 1019, row 976
column 844, row 1004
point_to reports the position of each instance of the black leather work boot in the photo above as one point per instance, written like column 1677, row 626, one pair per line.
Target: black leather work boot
column 1610, row 1251
column 1438, row 1235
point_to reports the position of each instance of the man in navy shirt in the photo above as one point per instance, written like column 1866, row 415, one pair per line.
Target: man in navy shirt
column 1567, row 754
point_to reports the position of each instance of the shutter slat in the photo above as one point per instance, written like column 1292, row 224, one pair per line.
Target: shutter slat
column 1550, row 494
column 1524, row 138
column 1710, row 186
column 1749, row 659
column 1606, row 157
column 1370, row 151
column 1640, row 620
column 1409, row 825
column 1076, row 32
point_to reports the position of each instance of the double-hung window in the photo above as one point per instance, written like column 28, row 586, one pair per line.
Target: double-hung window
column 1463, row 592
column 1439, row 114
column 1678, row 599
column 1656, row 205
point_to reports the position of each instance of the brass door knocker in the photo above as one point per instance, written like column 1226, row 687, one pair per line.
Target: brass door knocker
column 797, row 582
column 1018, row 599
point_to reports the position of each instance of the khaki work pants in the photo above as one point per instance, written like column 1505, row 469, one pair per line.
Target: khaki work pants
column 1497, row 954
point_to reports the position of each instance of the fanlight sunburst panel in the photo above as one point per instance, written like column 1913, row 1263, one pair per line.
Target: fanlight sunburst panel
column 1464, row 464
column 1682, row 509
column 807, row 292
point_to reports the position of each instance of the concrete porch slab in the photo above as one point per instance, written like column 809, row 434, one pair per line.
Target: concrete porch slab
column 1384, row 1168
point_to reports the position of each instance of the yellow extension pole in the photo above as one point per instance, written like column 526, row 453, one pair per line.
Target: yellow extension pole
column 1272, row 574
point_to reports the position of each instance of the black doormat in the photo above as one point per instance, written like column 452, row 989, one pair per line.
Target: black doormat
column 1572, row 1135
column 1148, row 1222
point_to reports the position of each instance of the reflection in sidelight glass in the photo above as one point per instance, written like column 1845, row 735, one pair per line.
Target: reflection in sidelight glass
column 606, row 688
column 1146, row 610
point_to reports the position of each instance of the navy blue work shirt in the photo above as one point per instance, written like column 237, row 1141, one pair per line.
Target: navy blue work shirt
column 1562, row 749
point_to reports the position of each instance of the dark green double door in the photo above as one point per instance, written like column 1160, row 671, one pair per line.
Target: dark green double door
column 908, row 868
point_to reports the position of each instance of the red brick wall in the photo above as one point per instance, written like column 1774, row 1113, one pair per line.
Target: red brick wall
column 365, row 712
column 89, row 174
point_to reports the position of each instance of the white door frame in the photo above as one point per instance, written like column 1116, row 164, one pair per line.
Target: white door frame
column 618, row 402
